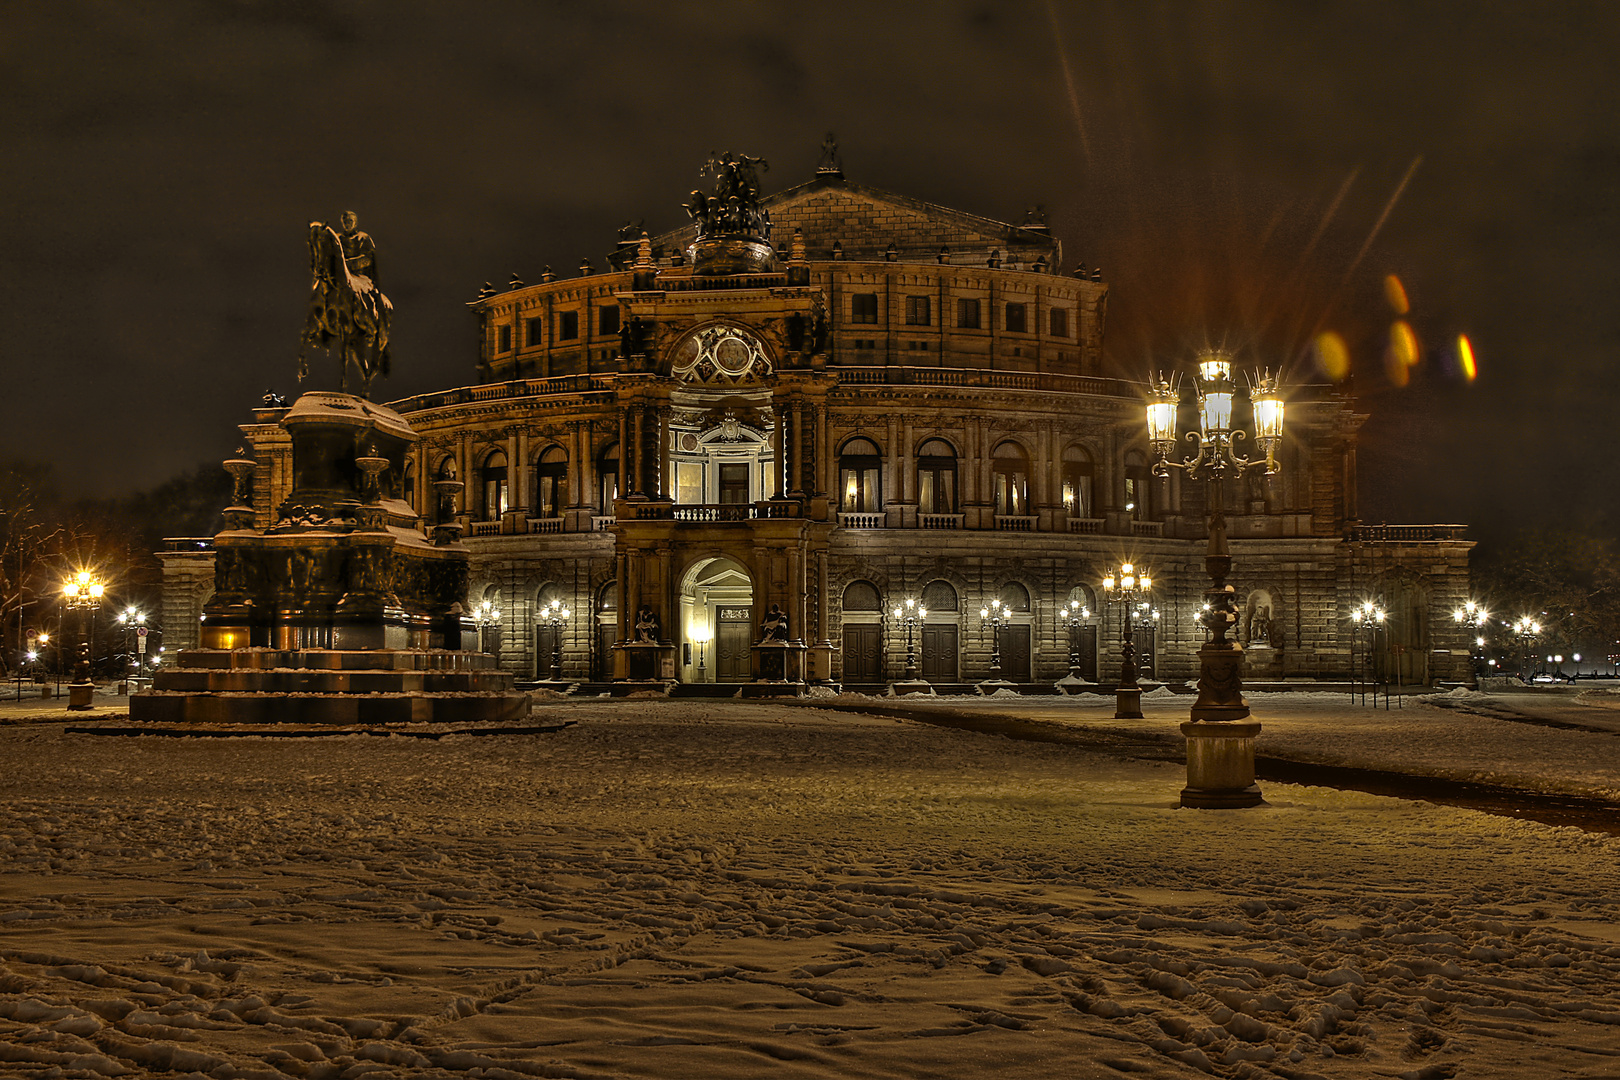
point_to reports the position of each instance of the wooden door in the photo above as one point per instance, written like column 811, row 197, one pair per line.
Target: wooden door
column 863, row 652
column 602, row 665
column 1015, row 653
column 545, row 644
column 1146, row 661
column 733, row 644
column 939, row 652
column 1087, row 652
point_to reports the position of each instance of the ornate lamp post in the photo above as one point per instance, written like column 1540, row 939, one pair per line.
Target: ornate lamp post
column 994, row 616
column 554, row 616
column 1475, row 618
column 82, row 593
column 1076, row 615
column 1365, row 622
column 1525, row 631
column 133, row 620
column 1124, row 589
column 1220, row 735
column 487, row 616
column 910, row 615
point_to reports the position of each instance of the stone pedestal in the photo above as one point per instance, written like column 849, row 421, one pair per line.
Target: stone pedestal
column 779, row 661
column 1128, row 703
column 81, row 695
column 1220, row 765
column 911, row 686
column 644, row 661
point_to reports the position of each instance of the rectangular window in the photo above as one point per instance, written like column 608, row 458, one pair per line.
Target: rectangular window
column 1017, row 323
column 863, row 307
column 689, row 481
column 967, row 314
column 917, row 313
column 503, row 339
column 1060, row 322
column 535, row 333
column 568, row 327
column 733, row 484
column 607, row 321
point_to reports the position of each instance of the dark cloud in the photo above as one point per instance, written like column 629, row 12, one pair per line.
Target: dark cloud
column 1226, row 164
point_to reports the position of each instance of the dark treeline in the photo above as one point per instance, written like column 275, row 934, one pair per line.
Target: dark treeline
column 1566, row 579
column 46, row 537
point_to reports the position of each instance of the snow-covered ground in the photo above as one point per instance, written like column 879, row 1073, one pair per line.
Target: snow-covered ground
column 741, row 889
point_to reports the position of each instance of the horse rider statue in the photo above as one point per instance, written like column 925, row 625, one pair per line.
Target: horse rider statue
column 348, row 314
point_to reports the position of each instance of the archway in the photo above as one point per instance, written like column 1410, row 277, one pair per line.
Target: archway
column 717, row 621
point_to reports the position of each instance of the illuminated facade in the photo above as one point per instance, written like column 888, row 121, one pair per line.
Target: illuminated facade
column 730, row 457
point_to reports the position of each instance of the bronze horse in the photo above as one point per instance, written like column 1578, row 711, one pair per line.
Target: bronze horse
column 347, row 312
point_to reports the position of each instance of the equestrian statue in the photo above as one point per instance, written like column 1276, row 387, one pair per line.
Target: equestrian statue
column 348, row 314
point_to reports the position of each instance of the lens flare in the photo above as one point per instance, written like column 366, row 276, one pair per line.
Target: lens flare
column 1395, row 368
column 1332, row 355
column 1465, row 357
column 1395, row 293
column 1403, row 343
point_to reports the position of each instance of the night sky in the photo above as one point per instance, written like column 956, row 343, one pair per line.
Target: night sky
column 1246, row 173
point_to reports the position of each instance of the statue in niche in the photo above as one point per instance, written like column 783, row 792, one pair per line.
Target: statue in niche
column 1258, row 631
column 775, row 625
column 647, row 628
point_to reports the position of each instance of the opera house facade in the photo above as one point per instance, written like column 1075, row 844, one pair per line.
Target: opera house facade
column 730, row 452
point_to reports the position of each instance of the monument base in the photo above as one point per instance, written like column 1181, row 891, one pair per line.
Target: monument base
column 1128, row 703
column 1220, row 765
column 329, row 686
column 81, row 696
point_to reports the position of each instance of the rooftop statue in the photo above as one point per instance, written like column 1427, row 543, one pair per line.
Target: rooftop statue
column 348, row 313
column 733, row 209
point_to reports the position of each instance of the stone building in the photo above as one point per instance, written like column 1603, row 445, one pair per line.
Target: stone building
column 733, row 448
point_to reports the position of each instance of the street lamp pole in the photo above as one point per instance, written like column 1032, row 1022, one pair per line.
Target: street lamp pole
column 1367, row 620
column 994, row 615
column 555, row 616
column 910, row 614
column 1526, row 630
column 1124, row 589
column 486, row 616
column 1220, row 734
column 1076, row 615
column 82, row 593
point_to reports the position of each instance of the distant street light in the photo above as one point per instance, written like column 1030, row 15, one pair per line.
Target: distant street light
column 702, row 634
column 995, row 616
column 1525, row 631
column 554, row 616
column 1124, row 589
column 1076, row 615
column 910, row 615
column 487, row 616
column 1365, row 622
column 1476, row 618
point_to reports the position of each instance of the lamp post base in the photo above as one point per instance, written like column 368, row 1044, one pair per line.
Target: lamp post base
column 1220, row 765
column 1128, row 703
column 81, row 695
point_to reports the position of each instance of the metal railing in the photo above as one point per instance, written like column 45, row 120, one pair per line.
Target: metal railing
column 1405, row 534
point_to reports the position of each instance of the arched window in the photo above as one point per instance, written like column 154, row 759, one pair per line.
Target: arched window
column 862, row 596
column 1079, row 476
column 859, row 469
column 1138, row 487
column 1014, row 597
column 407, row 485
column 550, row 482
column 936, row 477
column 1011, row 477
column 607, row 472
column 939, row 596
column 493, row 484
column 1085, row 596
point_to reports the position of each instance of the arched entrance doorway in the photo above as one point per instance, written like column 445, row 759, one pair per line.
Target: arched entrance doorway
column 717, row 621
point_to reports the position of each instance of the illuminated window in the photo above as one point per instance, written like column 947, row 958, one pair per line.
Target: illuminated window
column 936, row 477
column 551, row 482
column 859, row 469
column 1079, row 476
column 493, row 476
column 1010, row 479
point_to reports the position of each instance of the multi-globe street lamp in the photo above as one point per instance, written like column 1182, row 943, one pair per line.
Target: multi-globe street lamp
column 554, row 616
column 1365, row 622
column 910, row 615
column 1525, row 632
column 994, row 616
column 1123, row 588
column 1076, row 615
column 133, row 620
column 1475, row 618
column 1220, row 735
column 83, row 593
